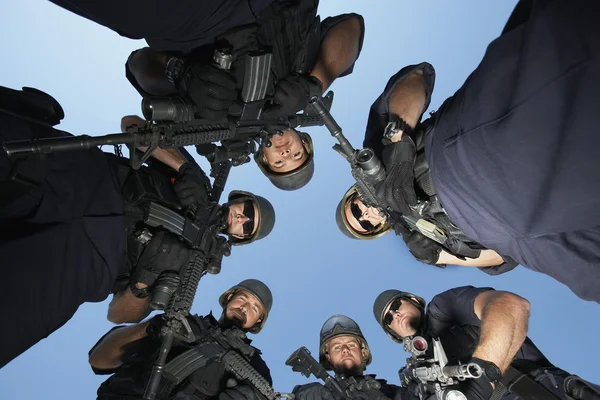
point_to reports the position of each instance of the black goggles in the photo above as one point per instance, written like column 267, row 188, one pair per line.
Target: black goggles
column 395, row 306
column 248, row 226
column 357, row 214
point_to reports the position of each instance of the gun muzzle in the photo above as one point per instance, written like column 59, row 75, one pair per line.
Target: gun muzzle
column 371, row 166
column 166, row 285
column 173, row 109
column 463, row 371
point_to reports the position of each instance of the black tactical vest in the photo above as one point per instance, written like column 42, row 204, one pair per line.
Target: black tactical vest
column 289, row 29
column 140, row 187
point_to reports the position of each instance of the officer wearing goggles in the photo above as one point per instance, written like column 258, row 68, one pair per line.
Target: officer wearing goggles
column 510, row 157
column 246, row 216
column 479, row 325
column 344, row 349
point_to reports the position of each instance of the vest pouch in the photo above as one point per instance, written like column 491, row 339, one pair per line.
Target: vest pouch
column 146, row 185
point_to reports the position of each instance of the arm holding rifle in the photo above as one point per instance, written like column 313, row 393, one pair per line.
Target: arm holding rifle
column 107, row 353
column 407, row 102
column 340, row 47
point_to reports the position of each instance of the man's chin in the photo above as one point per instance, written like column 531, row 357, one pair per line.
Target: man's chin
column 348, row 368
column 234, row 320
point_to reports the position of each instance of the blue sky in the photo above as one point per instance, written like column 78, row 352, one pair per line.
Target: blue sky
column 313, row 270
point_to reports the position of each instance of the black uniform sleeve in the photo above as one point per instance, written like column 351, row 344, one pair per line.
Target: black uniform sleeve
column 508, row 265
column 379, row 114
column 312, row 391
column 104, row 371
column 330, row 22
column 453, row 307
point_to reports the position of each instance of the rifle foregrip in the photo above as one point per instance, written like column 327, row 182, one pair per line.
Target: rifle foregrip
column 243, row 370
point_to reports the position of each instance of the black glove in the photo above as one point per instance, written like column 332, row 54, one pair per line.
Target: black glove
column 241, row 392
column 292, row 94
column 210, row 88
column 313, row 391
column 164, row 253
column 192, row 185
column 478, row 389
column 154, row 327
column 421, row 247
column 397, row 191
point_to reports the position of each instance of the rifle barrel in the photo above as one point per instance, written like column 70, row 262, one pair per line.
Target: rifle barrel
column 67, row 143
column 331, row 124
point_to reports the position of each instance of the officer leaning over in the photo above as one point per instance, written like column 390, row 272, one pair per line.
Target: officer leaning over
column 409, row 94
column 509, row 161
column 344, row 350
column 308, row 55
column 248, row 217
column 479, row 325
column 128, row 352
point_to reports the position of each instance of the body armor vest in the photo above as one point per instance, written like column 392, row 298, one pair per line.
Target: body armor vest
column 289, row 29
column 139, row 188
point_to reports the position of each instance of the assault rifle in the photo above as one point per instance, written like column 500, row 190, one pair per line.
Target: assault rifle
column 225, row 346
column 367, row 171
column 200, row 229
column 302, row 361
column 432, row 374
column 172, row 123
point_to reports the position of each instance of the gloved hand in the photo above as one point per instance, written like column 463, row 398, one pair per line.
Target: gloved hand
column 313, row 391
column 478, row 389
column 241, row 392
column 421, row 247
column 164, row 253
column 397, row 191
column 210, row 88
column 192, row 185
column 292, row 94
column 154, row 327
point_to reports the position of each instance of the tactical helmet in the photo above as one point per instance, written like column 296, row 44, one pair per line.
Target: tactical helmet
column 341, row 325
column 266, row 219
column 258, row 289
column 345, row 227
column 383, row 301
column 294, row 179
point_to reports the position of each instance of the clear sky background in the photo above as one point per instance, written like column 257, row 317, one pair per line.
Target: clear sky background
column 313, row 270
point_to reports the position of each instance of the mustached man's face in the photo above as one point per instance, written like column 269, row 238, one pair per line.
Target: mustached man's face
column 244, row 309
column 345, row 355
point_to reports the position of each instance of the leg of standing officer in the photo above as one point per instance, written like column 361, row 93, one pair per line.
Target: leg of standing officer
column 180, row 25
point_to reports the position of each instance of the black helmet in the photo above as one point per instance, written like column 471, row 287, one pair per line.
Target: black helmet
column 295, row 179
column 258, row 289
column 344, row 225
column 266, row 219
column 340, row 325
column 386, row 298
